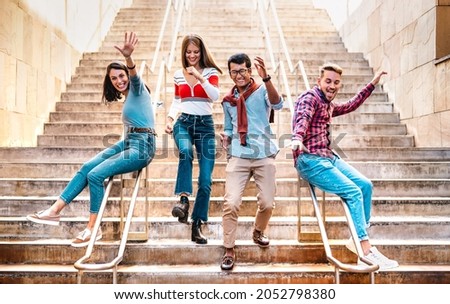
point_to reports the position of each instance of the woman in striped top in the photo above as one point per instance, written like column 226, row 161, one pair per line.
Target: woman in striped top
column 196, row 88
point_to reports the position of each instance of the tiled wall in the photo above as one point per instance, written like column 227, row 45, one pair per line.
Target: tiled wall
column 41, row 43
column 402, row 40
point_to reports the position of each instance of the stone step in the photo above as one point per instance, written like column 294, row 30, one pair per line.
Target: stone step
column 221, row 56
column 82, row 153
column 279, row 228
column 338, row 130
column 115, row 116
column 285, row 187
column 352, row 83
column 166, row 169
column 165, row 141
column 344, row 129
column 375, row 105
column 184, row 252
column 211, row 274
column 343, row 96
column 18, row 206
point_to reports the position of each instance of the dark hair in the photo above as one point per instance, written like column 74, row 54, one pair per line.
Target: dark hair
column 206, row 58
column 240, row 58
column 110, row 93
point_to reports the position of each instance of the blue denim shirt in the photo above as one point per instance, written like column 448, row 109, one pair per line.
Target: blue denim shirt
column 260, row 138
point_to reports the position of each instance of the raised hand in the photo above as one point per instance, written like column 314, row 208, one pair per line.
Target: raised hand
column 260, row 67
column 377, row 77
column 129, row 43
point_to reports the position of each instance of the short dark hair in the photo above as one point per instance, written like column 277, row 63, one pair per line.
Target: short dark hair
column 240, row 58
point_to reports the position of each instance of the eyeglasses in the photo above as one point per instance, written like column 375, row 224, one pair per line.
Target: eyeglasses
column 241, row 72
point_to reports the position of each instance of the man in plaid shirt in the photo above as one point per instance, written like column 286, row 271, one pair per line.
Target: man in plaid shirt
column 318, row 164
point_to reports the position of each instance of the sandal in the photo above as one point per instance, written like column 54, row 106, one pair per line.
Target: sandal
column 227, row 262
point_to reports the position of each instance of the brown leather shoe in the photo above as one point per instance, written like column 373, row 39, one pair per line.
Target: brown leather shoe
column 227, row 262
column 260, row 239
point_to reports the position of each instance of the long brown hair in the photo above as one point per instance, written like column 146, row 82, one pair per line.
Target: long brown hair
column 206, row 58
column 110, row 93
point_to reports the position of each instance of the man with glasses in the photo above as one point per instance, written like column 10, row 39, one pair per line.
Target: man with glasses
column 251, row 150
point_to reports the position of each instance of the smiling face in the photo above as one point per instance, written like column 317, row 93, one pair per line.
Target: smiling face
column 119, row 80
column 240, row 74
column 193, row 55
column 330, row 83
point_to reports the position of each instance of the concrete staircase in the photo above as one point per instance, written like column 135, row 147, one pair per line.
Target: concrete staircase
column 411, row 221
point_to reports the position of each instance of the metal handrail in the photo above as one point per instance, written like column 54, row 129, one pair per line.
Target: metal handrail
column 81, row 264
column 338, row 265
column 178, row 6
column 293, row 69
column 166, row 64
column 276, row 66
column 160, row 36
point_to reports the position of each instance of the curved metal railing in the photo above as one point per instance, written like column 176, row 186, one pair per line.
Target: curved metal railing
column 82, row 264
column 339, row 266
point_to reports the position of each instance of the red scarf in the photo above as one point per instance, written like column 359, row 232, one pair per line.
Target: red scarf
column 241, row 109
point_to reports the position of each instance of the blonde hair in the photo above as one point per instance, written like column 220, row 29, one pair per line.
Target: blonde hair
column 206, row 58
column 330, row 67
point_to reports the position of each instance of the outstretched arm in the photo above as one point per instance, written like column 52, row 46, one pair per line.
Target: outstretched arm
column 127, row 49
column 377, row 77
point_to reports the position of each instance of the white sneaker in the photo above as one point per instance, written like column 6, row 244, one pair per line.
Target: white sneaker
column 84, row 237
column 378, row 258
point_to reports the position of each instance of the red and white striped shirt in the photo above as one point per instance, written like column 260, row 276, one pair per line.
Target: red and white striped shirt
column 197, row 99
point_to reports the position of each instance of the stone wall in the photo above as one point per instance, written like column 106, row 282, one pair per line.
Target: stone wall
column 40, row 47
column 410, row 40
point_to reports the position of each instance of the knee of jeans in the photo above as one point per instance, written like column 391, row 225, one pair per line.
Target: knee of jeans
column 205, row 181
column 185, row 152
column 366, row 185
column 94, row 178
column 85, row 169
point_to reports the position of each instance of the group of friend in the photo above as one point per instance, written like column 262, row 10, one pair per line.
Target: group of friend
column 247, row 137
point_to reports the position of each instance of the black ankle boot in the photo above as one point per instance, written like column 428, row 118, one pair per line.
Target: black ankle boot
column 181, row 210
column 197, row 235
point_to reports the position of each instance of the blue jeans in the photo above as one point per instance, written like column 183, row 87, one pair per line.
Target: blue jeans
column 133, row 153
column 338, row 177
column 198, row 131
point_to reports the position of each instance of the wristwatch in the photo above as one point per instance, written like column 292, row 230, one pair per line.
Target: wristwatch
column 267, row 78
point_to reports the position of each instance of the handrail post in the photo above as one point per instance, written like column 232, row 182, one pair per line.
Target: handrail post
column 369, row 268
column 80, row 264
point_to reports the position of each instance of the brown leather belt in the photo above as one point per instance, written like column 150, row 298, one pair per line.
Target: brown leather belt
column 142, row 130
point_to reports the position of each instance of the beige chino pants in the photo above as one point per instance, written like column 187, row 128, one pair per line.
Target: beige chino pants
column 238, row 173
